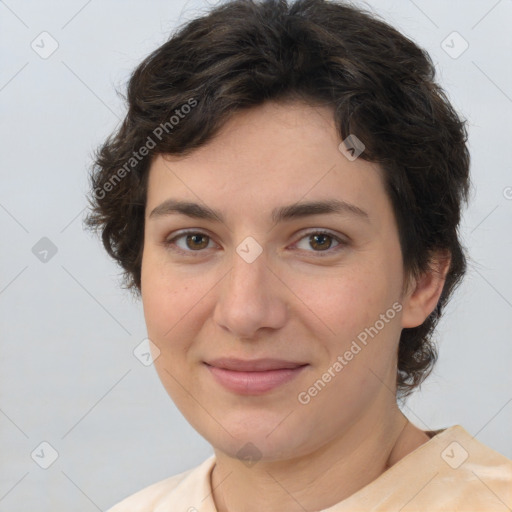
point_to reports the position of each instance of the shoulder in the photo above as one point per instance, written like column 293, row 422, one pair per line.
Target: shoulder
column 170, row 491
column 452, row 471
column 466, row 474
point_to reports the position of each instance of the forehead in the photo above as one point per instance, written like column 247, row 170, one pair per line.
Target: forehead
column 265, row 157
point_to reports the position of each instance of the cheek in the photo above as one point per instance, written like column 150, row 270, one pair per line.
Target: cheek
column 360, row 312
column 177, row 304
column 167, row 298
column 171, row 309
column 352, row 298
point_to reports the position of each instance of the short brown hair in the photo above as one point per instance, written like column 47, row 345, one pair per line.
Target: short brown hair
column 381, row 87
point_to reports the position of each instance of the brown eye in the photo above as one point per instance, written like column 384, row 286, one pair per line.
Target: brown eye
column 197, row 241
column 320, row 241
column 189, row 242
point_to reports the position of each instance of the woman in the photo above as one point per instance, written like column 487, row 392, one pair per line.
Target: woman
column 284, row 195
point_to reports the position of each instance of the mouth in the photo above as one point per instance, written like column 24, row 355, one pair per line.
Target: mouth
column 253, row 377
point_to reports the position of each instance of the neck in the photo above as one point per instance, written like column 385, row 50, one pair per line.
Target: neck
column 333, row 472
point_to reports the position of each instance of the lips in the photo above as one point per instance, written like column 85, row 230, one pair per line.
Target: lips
column 253, row 365
column 253, row 377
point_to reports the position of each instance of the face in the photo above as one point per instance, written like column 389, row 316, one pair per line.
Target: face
column 276, row 321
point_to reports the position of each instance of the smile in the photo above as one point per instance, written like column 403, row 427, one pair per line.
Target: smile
column 253, row 377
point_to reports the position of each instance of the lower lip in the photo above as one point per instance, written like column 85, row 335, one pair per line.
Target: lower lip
column 253, row 383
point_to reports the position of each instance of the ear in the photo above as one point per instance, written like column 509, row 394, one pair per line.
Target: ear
column 423, row 294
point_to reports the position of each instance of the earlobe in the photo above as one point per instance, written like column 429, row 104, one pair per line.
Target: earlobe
column 425, row 292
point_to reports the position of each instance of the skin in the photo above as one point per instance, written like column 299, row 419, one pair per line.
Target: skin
column 295, row 301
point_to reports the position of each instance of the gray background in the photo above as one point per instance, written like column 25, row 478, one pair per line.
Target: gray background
column 68, row 375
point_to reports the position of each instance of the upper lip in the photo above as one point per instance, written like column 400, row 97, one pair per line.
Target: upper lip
column 253, row 365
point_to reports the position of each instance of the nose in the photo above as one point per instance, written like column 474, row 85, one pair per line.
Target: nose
column 251, row 298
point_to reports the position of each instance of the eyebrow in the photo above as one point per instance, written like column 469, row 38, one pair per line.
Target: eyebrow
column 279, row 214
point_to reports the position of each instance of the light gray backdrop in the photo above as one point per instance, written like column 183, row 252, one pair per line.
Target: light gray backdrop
column 68, row 374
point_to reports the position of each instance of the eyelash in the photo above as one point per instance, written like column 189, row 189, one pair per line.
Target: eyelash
column 170, row 243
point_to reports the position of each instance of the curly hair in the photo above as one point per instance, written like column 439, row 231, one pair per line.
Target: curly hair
column 380, row 85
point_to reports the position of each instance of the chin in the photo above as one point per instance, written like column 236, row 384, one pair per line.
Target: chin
column 258, row 435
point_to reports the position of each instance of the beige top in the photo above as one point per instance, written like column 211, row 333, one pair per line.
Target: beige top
column 451, row 472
